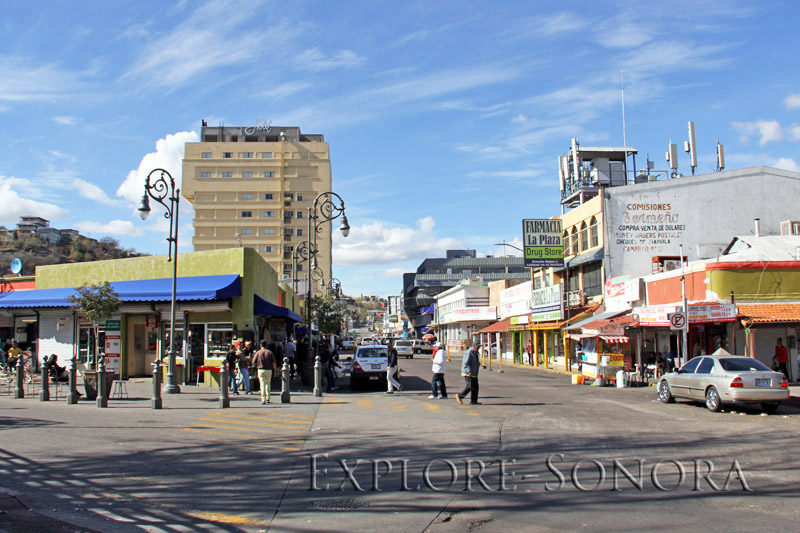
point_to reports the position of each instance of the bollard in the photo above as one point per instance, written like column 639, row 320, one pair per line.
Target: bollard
column 286, row 396
column 224, row 399
column 44, row 395
column 155, row 401
column 102, row 393
column 19, row 391
column 72, row 396
column 317, row 377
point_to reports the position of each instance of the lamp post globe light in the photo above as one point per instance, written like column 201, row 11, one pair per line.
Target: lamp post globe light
column 160, row 186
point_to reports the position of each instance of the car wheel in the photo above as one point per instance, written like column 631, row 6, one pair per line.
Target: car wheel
column 712, row 400
column 410, row 356
column 664, row 394
column 770, row 407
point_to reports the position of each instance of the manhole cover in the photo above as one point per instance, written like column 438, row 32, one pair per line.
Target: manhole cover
column 339, row 504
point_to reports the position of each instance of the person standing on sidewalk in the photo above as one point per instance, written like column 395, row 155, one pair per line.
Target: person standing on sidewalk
column 391, row 370
column 438, row 368
column 264, row 363
column 230, row 359
column 289, row 351
column 244, row 366
column 469, row 369
column 781, row 357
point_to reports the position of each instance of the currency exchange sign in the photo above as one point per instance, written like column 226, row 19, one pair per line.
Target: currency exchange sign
column 541, row 238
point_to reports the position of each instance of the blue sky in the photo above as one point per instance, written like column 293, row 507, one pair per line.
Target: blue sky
column 444, row 119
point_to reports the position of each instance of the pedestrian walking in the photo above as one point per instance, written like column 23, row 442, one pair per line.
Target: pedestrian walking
column 469, row 369
column 529, row 351
column 290, row 350
column 781, row 358
column 264, row 363
column 230, row 359
column 438, row 368
column 391, row 371
column 244, row 357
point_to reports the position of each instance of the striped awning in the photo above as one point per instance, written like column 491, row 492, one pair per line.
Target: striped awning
column 613, row 339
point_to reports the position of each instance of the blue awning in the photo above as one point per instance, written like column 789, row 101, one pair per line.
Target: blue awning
column 145, row 290
column 262, row 307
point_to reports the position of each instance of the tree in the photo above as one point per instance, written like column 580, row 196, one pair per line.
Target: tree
column 328, row 313
column 98, row 303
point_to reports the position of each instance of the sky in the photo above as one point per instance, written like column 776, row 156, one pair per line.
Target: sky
column 444, row 119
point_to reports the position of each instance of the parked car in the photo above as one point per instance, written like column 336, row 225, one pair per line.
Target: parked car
column 365, row 341
column 348, row 343
column 404, row 348
column 369, row 365
column 423, row 347
column 719, row 380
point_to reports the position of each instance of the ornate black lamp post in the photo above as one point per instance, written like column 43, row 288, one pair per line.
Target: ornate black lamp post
column 334, row 287
column 161, row 189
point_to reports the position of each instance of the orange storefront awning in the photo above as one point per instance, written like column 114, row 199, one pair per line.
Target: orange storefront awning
column 498, row 327
column 770, row 313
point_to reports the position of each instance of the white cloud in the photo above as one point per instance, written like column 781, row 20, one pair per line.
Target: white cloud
column 766, row 130
column 92, row 192
column 20, row 80
column 794, row 132
column 284, row 90
column 393, row 273
column 114, row 227
column 376, row 243
column 211, row 38
column 168, row 155
column 545, row 26
column 520, row 119
column 315, row 59
column 787, row 163
column 792, row 101
column 65, row 120
column 13, row 206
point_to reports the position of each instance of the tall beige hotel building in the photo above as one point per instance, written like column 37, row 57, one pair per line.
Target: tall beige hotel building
column 252, row 186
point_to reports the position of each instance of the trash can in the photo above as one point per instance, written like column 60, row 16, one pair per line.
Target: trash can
column 90, row 383
column 622, row 379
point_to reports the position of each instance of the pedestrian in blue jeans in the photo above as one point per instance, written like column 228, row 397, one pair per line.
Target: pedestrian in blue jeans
column 469, row 369
column 230, row 360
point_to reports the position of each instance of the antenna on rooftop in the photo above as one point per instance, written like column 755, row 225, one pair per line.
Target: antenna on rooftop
column 690, row 147
column 672, row 157
column 720, row 156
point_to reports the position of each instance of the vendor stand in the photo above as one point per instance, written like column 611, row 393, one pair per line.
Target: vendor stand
column 602, row 351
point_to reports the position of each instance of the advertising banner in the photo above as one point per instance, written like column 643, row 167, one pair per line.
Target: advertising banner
column 113, row 345
column 547, row 303
column 516, row 300
column 541, row 238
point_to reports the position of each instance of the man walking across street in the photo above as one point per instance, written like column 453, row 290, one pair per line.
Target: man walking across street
column 781, row 357
column 438, row 368
column 391, row 370
column 264, row 362
column 469, row 369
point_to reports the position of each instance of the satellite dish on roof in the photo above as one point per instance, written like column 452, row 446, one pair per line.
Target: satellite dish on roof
column 16, row 265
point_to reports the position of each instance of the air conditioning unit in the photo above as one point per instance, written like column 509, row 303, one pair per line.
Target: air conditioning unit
column 790, row 227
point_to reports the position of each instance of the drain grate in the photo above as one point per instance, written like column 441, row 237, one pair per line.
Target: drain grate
column 339, row 504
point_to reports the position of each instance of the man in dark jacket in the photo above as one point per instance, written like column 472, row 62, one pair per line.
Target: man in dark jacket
column 391, row 370
column 469, row 369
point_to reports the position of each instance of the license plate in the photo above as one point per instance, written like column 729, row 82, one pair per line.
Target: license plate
column 763, row 382
column 376, row 367
column 374, row 378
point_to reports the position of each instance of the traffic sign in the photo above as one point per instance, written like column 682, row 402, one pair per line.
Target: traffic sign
column 677, row 321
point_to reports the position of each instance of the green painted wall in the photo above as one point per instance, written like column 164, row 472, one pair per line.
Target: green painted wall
column 257, row 276
column 756, row 285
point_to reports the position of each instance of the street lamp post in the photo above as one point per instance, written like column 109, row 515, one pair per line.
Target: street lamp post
column 161, row 189
column 334, row 287
column 325, row 209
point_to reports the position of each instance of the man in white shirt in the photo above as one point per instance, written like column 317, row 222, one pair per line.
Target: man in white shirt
column 438, row 368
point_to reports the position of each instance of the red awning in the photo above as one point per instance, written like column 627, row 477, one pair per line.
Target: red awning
column 497, row 327
column 613, row 339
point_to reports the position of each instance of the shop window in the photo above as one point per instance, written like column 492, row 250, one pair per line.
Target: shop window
column 86, row 344
column 218, row 338
column 592, row 280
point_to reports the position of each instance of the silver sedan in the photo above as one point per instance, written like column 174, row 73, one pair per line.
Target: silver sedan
column 718, row 380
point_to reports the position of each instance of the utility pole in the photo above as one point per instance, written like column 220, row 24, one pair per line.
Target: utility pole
column 685, row 329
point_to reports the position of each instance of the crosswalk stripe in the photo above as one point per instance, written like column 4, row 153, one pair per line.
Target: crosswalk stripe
column 249, row 437
column 236, row 425
column 364, row 403
column 397, row 405
column 257, row 419
column 432, row 407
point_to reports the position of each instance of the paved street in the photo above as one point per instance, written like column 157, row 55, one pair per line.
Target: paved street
column 195, row 467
